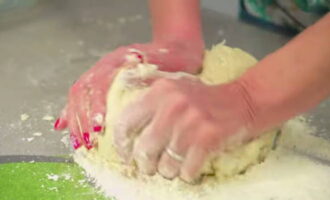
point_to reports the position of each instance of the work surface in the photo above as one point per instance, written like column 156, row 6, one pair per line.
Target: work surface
column 45, row 47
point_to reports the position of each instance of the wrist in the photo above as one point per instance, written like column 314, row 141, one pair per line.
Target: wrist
column 196, row 46
column 270, row 105
column 177, row 55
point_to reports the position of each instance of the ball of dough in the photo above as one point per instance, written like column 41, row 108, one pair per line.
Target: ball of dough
column 221, row 64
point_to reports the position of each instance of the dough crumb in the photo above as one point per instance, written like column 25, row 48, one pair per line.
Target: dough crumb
column 122, row 20
column 24, row 117
column 37, row 134
column 48, row 118
column 53, row 177
column 65, row 140
column 53, row 189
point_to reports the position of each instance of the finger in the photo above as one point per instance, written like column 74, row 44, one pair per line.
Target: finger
column 77, row 114
column 61, row 123
column 184, row 136
column 131, row 121
column 75, row 136
column 97, row 111
column 83, row 122
column 173, row 157
column 98, row 100
column 153, row 140
column 169, row 167
column 192, row 166
column 75, row 142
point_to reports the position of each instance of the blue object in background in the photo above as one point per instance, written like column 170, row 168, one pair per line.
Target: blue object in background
column 8, row 5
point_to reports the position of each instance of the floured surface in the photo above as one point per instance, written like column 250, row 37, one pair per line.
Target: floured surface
column 286, row 174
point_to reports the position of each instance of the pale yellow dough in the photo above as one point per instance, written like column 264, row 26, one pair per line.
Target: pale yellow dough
column 221, row 64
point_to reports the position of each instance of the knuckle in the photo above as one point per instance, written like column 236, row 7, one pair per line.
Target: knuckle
column 208, row 136
column 196, row 115
column 180, row 100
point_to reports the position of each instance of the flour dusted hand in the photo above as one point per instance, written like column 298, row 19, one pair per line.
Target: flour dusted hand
column 182, row 122
column 85, row 111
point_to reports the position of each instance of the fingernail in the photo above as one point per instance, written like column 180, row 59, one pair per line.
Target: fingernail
column 86, row 138
column 57, row 122
column 75, row 142
column 167, row 172
column 97, row 128
column 191, row 180
column 139, row 56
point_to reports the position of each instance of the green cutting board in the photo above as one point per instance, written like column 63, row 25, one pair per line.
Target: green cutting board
column 45, row 181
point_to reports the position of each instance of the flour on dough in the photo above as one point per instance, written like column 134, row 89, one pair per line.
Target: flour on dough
column 222, row 64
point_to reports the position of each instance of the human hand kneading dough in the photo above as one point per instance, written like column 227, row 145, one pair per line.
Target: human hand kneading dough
column 187, row 121
column 171, row 49
column 85, row 111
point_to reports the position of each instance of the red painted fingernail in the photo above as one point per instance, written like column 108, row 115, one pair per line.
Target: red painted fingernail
column 86, row 138
column 57, row 122
column 97, row 128
column 75, row 142
column 139, row 56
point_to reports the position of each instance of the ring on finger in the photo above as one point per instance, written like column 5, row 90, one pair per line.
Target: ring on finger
column 174, row 155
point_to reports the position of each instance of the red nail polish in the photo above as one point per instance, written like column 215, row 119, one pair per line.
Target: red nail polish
column 86, row 138
column 139, row 56
column 75, row 142
column 97, row 128
column 57, row 122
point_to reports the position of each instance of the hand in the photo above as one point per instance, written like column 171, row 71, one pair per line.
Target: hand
column 85, row 111
column 188, row 121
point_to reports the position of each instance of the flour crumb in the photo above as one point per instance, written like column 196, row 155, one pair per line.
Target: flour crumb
column 80, row 43
column 138, row 17
column 24, row 117
column 32, row 161
column 30, row 139
column 98, row 118
column 65, row 140
column 67, row 177
column 122, row 20
column 53, row 189
column 37, row 134
column 53, row 177
column 48, row 118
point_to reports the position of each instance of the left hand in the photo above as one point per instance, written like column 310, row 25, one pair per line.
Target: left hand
column 84, row 113
column 188, row 120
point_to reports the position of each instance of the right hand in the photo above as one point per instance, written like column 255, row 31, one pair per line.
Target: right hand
column 85, row 111
column 183, row 122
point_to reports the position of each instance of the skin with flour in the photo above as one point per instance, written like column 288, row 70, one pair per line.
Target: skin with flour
column 285, row 83
column 221, row 65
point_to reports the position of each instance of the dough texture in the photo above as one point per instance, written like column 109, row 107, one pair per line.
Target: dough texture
column 222, row 64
